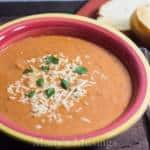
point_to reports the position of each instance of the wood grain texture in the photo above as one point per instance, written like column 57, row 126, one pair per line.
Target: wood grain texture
column 134, row 139
column 22, row 8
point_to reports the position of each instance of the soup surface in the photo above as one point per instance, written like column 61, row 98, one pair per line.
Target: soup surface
column 59, row 85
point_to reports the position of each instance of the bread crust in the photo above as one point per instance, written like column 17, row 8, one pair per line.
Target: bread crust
column 139, row 28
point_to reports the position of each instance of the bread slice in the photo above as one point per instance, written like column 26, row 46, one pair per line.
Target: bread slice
column 140, row 24
column 143, row 14
column 117, row 13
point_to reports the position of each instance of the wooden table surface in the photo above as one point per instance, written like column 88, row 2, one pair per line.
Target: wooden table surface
column 136, row 138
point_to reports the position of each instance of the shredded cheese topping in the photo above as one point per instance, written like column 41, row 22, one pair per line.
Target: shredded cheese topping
column 49, row 106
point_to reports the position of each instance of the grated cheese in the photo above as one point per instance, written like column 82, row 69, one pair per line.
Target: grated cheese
column 79, row 109
column 38, row 126
column 49, row 107
column 87, row 56
column 86, row 120
column 86, row 103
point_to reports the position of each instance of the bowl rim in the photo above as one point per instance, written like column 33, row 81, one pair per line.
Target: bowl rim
column 99, row 138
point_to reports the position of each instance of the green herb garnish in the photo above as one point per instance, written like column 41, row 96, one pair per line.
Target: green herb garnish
column 40, row 82
column 45, row 68
column 65, row 84
column 51, row 59
column 80, row 70
column 49, row 92
column 28, row 70
column 30, row 94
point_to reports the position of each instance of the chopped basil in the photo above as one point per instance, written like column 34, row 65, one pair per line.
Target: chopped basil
column 30, row 94
column 51, row 59
column 80, row 70
column 40, row 82
column 28, row 70
column 65, row 84
column 49, row 92
column 45, row 68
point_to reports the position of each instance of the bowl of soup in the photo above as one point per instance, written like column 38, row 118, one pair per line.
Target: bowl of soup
column 68, row 81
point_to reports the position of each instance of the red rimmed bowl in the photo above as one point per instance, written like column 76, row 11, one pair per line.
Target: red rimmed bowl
column 100, row 34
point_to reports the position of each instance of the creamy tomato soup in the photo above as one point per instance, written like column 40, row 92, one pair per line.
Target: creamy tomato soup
column 61, row 85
